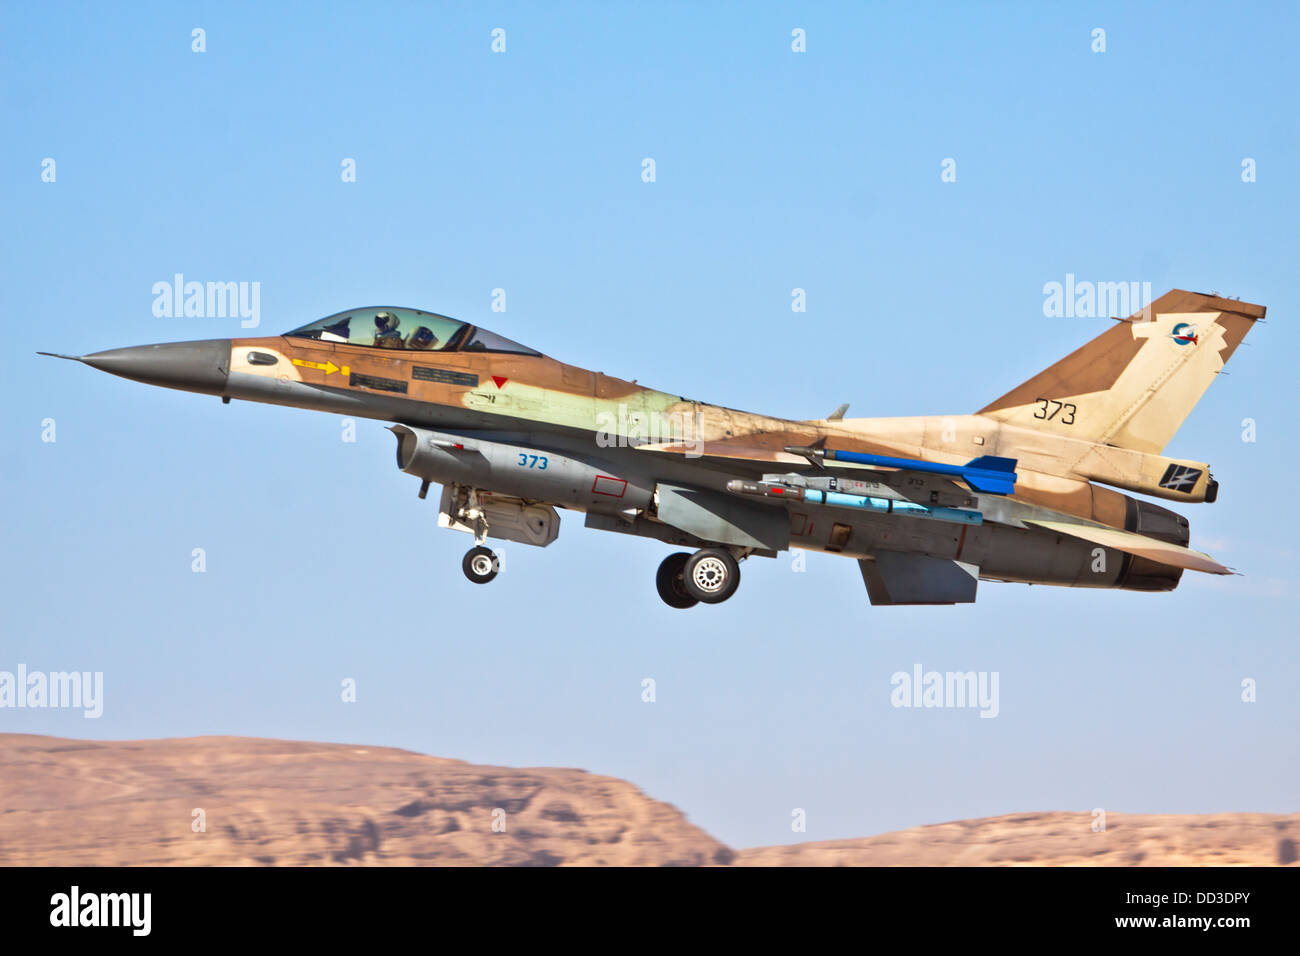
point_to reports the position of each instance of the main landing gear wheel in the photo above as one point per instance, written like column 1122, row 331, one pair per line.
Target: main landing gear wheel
column 711, row 575
column 670, row 584
column 480, row 564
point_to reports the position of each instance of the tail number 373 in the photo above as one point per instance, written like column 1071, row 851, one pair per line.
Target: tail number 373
column 532, row 461
column 1048, row 408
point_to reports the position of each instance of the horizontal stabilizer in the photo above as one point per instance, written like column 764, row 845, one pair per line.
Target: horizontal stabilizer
column 1131, row 543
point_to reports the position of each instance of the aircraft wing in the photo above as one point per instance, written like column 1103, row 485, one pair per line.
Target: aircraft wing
column 745, row 514
column 1132, row 543
column 721, row 452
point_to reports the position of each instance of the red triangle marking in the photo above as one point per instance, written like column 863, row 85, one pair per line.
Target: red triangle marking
column 500, row 380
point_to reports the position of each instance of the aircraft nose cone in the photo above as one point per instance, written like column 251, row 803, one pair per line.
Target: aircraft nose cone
column 194, row 366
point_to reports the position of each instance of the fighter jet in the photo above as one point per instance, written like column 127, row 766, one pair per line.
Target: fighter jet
column 1023, row 490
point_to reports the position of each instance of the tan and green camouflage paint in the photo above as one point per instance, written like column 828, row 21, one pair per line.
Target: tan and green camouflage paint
column 1130, row 388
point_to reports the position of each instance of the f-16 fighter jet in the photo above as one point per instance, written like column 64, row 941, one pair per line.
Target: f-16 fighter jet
column 1021, row 490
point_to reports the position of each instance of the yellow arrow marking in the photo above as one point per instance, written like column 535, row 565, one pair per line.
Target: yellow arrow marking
column 325, row 367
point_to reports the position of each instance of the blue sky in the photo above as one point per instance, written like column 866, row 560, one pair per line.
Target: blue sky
column 522, row 170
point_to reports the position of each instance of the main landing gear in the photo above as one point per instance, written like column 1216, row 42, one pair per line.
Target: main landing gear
column 480, row 564
column 710, row 575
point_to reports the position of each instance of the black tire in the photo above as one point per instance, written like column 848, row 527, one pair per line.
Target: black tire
column 480, row 565
column 669, row 581
column 711, row 575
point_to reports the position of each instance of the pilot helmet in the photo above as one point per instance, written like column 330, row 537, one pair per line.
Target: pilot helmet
column 385, row 321
column 423, row 336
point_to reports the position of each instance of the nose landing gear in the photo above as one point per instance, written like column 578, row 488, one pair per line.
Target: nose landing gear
column 710, row 575
column 480, row 564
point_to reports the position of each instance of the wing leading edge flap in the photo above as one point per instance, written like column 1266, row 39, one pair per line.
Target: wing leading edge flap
column 897, row 577
column 1132, row 543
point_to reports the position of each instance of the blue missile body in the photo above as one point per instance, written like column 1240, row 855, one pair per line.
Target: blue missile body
column 988, row 473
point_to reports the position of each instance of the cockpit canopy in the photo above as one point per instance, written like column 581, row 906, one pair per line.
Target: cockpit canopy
column 384, row 327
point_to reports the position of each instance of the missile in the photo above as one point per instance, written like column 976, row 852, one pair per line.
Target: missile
column 839, row 499
column 987, row 473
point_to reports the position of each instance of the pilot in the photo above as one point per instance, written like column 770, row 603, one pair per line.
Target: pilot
column 386, row 334
column 422, row 338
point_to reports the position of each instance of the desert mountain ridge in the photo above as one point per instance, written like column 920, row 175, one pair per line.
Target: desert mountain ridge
column 236, row 801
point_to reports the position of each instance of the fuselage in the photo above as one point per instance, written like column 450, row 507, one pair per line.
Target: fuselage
column 646, row 437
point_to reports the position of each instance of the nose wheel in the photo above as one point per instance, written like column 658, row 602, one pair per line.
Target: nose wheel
column 480, row 564
column 709, row 576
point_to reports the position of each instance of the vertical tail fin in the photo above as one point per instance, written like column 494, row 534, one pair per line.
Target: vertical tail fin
column 1136, row 383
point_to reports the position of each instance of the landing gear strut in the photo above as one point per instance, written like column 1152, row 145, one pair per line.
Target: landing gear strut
column 710, row 575
column 480, row 564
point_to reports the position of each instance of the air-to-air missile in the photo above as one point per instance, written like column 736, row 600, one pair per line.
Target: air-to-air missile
column 849, row 493
column 987, row 473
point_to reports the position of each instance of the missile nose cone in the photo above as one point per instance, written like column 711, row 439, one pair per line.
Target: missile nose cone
column 194, row 366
